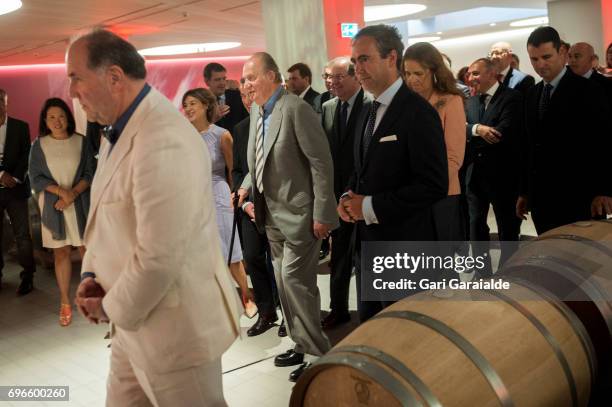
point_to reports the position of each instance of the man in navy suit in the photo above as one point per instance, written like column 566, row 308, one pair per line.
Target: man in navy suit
column 566, row 176
column 15, row 190
column 494, row 130
column 231, row 109
column 501, row 56
column 401, row 168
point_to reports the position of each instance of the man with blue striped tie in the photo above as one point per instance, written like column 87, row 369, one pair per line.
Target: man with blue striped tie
column 291, row 185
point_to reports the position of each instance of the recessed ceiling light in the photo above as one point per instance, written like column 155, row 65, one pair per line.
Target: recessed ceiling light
column 492, row 24
column 375, row 13
column 530, row 22
column 439, row 33
column 188, row 48
column 6, row 6
column 414, row 40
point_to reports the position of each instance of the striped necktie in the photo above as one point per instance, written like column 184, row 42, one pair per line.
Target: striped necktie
column 369, row 131
column 259, row 151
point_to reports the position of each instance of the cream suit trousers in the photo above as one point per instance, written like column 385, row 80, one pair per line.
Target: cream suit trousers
column 193, row 387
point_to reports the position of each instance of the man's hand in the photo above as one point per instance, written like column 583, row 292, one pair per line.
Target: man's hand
column 489, row 134
column 354, row 205
column 7, row 180
column 88, row 289
column 321, row 230
column 601, row 206
column 223, row 110
column 91, row 308
column 521, row 208
column 242, row 195
column 250, row 210
column 344, row 215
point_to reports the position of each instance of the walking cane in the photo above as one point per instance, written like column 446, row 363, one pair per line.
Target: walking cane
column 231, row 248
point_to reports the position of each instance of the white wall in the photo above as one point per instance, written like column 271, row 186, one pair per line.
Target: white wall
column 466, row 50
column 578, row 21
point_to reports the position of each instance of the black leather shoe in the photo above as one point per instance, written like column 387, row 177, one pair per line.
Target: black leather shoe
column 323, row 254
column 289, row 358
column 282, row 329
column 26, row 286
column 262, row 325
column 295, row 375
column 333, row 319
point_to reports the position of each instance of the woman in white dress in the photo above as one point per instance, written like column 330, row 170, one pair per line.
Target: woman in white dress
column 200, row 106
column 61, row 169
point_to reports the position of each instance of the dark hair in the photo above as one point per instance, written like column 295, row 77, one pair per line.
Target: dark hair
column 514, row 56
column 387, row 39
column 206, row 97
column 303, row 69
column 461, row 74
column 607, row 51
column 3, row 94
column 106, row 48
column 542, row 35
column 43, row 130
column 213, row 67
column 488, row 63
column 430, row 58
column 268, row 64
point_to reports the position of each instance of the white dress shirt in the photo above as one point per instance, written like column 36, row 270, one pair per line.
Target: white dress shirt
column 304, row 93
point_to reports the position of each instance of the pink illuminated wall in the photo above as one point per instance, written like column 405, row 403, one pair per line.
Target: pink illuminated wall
column 28, row 86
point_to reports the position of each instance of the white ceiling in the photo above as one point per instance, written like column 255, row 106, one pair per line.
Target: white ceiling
column 39, row 31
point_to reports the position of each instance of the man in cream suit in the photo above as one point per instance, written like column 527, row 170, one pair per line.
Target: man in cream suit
column 153, row 266
column 291, row 183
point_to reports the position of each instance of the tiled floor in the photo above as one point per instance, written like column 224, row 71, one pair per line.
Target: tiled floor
column 35, row 350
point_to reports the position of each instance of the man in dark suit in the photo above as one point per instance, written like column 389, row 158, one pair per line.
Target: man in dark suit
column 501, row 56
column 15, row 190
column 339, row 118
column 581, row 58
column 231, row 109
column 494, row 130
column 401, row 167
column 299, row 81
column 566, row 178
column 255, row 246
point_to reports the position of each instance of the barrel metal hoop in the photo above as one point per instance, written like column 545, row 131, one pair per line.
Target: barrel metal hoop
column 548, row 337
column 398, row 366
column 573, row 272
column 580, row 239
column 360, row 363
column 571, row 318
column 487, row 370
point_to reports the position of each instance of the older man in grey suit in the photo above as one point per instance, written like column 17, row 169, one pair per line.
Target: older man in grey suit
column 291, row 182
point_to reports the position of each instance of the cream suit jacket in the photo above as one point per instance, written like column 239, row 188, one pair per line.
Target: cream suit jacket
column 152, row 242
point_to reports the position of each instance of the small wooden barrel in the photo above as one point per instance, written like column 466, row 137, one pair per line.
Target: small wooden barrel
column 434, row 352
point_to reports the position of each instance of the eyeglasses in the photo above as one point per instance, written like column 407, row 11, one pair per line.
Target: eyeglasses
column 498, row 53
column 339, row 77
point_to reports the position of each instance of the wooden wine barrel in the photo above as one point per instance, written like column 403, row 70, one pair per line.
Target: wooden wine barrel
column 423, row 351
column 574, row 264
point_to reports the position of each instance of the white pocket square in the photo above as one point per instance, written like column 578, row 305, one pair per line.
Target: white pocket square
column 388, row 138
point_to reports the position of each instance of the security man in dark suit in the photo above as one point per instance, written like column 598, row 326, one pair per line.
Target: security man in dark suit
column 299, row 83
column 581, row 57
column 339, row 117
column 401, row 168
column 231, row 109
column 566, row 176
column 15, row 191
column 494, row 131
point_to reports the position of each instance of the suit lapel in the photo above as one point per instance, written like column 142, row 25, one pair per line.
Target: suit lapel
column 392, row 114
column 492, row 104
column 355, row 113
column 506, row 81
column 276, row 118
column 109, row 163
column 360, row 125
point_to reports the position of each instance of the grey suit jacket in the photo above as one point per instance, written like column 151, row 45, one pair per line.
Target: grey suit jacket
column 298, row 173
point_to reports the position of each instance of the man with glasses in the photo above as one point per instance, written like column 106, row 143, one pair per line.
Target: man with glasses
column 339, row 121
column 328, row 94
column 501, row 56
